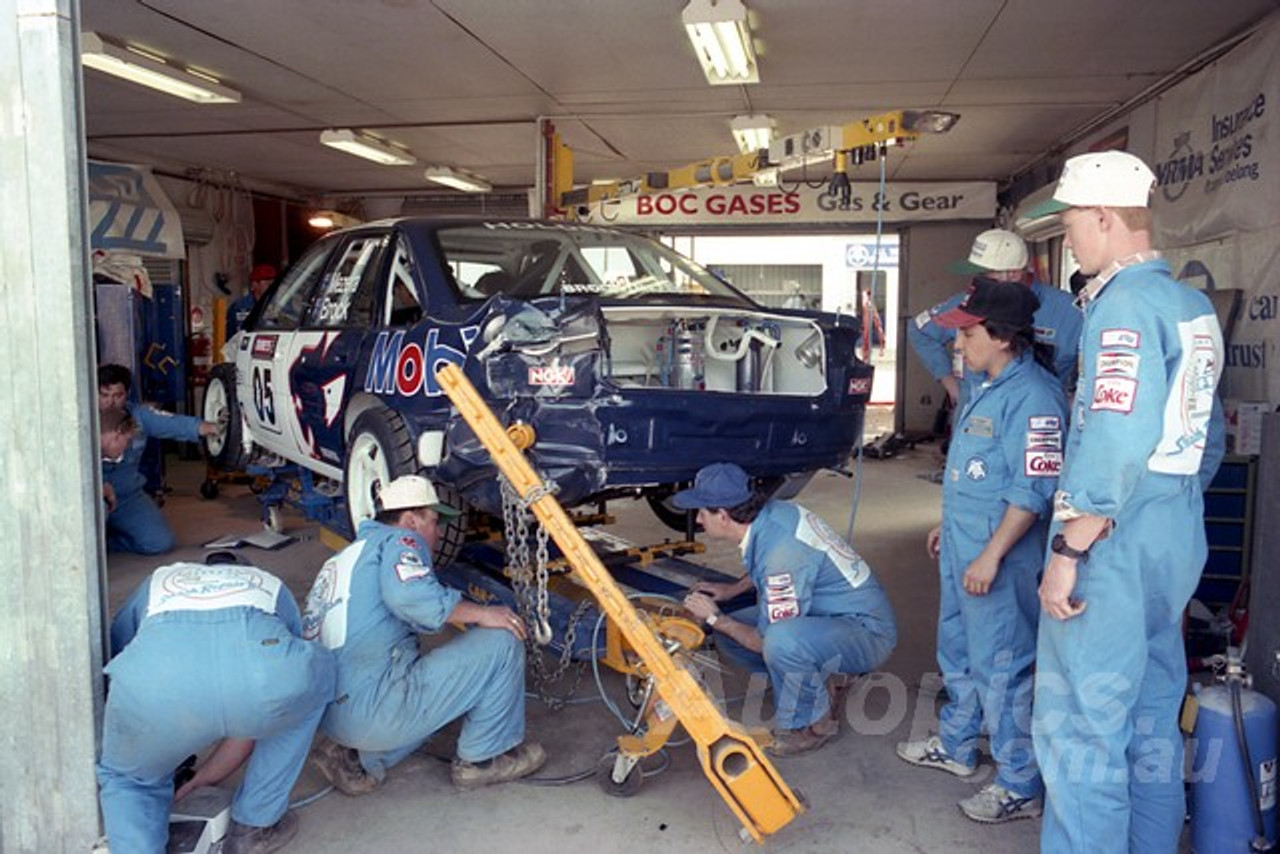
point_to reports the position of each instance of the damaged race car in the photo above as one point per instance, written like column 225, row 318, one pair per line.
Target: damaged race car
column 632, row 365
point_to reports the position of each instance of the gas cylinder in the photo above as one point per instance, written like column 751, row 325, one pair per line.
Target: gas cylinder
column 1225, row 802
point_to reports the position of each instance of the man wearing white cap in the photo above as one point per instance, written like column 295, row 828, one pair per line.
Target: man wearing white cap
column 368, row 604
column 1000, row 255
column 1128, row 538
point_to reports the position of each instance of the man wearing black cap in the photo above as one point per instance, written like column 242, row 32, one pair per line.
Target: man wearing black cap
column 368, row 604
column 204, row 653
column 997, row 490
column 822, row 615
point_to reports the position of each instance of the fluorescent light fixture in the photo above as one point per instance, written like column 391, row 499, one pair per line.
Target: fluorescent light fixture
column 721, row 38
column 147, row 69
column 362, row 145
column 752, row 132
column 457, row 179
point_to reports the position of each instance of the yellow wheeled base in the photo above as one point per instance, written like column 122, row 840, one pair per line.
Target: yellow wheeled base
column 732, row 761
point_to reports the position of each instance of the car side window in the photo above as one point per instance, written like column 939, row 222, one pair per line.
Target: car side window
column 292, row 296
column 403, row 307
column 347, row 295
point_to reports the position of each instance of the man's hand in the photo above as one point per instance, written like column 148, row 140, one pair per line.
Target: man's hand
column 952, row 386
column 933, row 542
column 210, row 428
column 701, row 605
column 1056, row 587
column 714, row 590
column 979, row 574
column 109, row 496
column 501, row 617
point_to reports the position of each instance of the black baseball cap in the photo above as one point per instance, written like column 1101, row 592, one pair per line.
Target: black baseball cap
column 1011, row 303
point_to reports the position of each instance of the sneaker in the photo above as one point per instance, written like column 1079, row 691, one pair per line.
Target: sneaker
column 247, row 839
column 994, row 804
column 796, row 742
column 929, row 753
column 520, row 761
column 341, row 767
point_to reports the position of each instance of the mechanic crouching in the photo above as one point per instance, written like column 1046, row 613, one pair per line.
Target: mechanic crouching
column 822, row 616
column 368, row 604
column 203, row 653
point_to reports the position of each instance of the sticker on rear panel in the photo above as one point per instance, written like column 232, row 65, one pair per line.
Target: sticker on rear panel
column 551, row 375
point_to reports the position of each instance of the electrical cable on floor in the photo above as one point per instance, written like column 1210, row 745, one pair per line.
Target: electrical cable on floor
column 310, row 799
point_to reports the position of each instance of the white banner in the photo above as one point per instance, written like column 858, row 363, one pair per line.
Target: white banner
column 1249, row 262
column 130, row 213
column 1217, row 147
column 750, row 205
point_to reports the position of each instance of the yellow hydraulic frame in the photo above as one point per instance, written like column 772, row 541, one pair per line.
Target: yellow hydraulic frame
column 731, row 759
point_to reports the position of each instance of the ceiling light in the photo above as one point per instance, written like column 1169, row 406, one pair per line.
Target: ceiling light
column 148, row 69
column 721, row 38
column 457, row 179
column 928, row 121
column 331, row 219
column 367, row 147
column 752, row 132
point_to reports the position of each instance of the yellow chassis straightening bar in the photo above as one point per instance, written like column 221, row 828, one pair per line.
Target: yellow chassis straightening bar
column 731, row 759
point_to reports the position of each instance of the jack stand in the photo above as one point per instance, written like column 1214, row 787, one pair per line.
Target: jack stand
column 200, row 821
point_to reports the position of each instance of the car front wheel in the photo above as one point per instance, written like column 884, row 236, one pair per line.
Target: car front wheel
column 226, row 448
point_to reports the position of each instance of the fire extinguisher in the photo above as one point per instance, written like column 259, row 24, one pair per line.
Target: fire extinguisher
column 201, row 348
column 1233, row 797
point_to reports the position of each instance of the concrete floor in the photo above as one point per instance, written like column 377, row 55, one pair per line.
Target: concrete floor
column 860, row 795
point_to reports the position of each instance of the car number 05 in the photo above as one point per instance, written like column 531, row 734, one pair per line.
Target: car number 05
column 263, row 402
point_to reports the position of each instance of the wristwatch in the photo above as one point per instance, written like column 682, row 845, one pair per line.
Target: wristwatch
column 1058, row 545
column 712, row 620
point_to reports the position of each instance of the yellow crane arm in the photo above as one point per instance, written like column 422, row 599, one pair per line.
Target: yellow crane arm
column 731, row 760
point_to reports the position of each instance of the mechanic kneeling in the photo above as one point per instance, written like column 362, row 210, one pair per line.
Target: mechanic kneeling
column 822, row 617
column 368, row 605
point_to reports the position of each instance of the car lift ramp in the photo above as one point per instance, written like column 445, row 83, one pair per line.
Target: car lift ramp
column 730, row 758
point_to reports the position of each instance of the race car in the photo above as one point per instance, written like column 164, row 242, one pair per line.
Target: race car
column 633, row 366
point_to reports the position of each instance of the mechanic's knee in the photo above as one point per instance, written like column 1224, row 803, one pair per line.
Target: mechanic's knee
column 783, row 645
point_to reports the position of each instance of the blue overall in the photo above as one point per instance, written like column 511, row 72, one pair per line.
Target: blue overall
column 205, row 653
column 1110, row 681
column 1057, row 321
column 821, row 611
column 238, row 313
column 1006, row 452
column 136, row 524
column 368, row 605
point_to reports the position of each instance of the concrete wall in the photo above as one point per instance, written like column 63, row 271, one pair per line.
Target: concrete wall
column 927, row 250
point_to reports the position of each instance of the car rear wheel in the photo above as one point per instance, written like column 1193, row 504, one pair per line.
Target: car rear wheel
column 669, row 514
column 226, row 449
column 379, row 450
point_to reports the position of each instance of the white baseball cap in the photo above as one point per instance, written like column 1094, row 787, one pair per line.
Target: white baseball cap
column 1113, row 179
column 412, row 491
column 993, row 250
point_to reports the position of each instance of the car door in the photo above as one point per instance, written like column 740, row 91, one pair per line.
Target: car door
column 324, row 355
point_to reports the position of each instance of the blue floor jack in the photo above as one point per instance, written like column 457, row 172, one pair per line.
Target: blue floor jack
column 297, row 487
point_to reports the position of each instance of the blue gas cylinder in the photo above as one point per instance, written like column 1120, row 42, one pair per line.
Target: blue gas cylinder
column 1222, row 812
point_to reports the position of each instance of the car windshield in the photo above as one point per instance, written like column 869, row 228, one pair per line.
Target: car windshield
column 529, row 259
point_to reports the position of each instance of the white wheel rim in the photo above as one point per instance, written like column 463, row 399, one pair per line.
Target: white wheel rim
column 366, row 469
column 215, row 408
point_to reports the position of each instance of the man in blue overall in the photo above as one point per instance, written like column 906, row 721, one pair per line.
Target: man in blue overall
column 368, row 604
column 822, row 616
column 204, row 653
column 1128, row 537
column 260, row 278
column 1002, row 255
column 134, row 522
column 1002, row 467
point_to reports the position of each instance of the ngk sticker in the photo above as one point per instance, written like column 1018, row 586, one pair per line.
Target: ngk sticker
column 859, row 385
column 557, row 375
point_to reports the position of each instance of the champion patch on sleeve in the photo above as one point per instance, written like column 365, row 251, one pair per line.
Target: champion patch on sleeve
column 1114, row 394
column 1129, row 338
column 1113, row 364
column 410, row 566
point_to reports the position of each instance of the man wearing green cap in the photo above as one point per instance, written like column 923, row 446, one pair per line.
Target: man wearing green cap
column 368, row 604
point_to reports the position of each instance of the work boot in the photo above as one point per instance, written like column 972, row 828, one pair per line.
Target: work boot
column 929, row 753
column 520, row 761
column 838, row 686
column 341, row 767
column 797, row 742
column 247, row 839
column 994, row 804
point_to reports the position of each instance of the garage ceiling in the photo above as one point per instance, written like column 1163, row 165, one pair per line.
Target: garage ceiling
column 462, row 82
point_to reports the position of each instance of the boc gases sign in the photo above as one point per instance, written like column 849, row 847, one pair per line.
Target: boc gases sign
column 751, row 205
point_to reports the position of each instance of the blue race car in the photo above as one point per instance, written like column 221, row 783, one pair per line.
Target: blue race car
column 633, row 365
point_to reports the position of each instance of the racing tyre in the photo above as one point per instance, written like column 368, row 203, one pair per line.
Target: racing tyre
column 226, row 450
column 379, row 450
column 668, row 514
